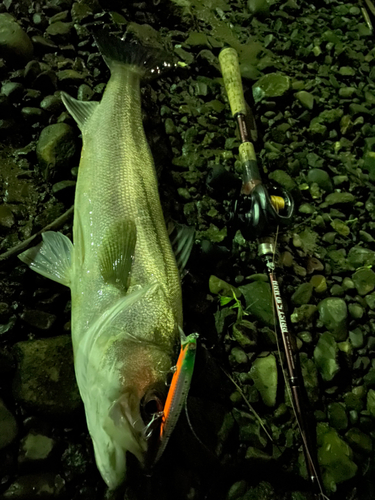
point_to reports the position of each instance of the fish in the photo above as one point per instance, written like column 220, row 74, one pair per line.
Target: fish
column 126, row 299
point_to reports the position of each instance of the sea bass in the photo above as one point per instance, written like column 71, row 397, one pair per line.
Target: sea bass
column 124, row 281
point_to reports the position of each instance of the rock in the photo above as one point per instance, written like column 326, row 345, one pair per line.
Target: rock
column 321, row 178
column 35, row 447
column 303, row 294
column 325, row 356
column 347, row 92
column 359, row 441
column 340, row 227
column 264, row 374
column 35, row 486
column 39, row 319
column 305, row 98
column 303, row 314
column 70, row 76
column 356, row 311
column 52, row 103
column 335, row 457
column 333, row 314
column 271, row 85
column 319, row 283
column 239, row 356
column 371, row 402
column 6, row 217
column 360, row 257
column 364, row 281
column 56, row 148
column 45, row 381
column 259, row 301
column 310, row 377
column 356, row 337
column 337, row 416
column 284, row 179
column 370, row 300
column 60, row 31
column 8, row 426
column 80, row 11
column 15, row 44
column 237, row 490
column 263, row 491
column 339, row 199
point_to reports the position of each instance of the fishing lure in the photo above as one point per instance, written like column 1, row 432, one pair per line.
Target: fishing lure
column 178, row 390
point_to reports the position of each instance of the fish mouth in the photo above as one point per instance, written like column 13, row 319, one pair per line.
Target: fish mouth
column 151, row 408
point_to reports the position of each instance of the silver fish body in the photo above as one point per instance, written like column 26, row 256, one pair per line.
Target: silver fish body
column 125, row 285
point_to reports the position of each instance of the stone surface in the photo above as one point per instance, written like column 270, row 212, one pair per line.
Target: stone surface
column 8, row 426
column 264, row 374
column 45, row 381
column 333, row 314
column 325, row 356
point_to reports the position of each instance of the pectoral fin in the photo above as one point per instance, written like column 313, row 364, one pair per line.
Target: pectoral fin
column 182, row 244
column 117, row 253
column 80, row 110
column 51, row 258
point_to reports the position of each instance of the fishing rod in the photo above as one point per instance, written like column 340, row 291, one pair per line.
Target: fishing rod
column 260, row 212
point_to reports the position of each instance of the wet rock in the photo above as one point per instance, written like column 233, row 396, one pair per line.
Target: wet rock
column 356, row 311
column 325, row 356
column 237, row 490
column 371, row 402
column 370, row 300
column 303, row 294
column 8, row 426
column 56, row 148
column 238, row 356
column 35, row 487
column 60, row 31
column 313, row 264
column 340, row 227
column 52, row 103
column 319, row 283
column 259, row 301
column 38, row 319
column 80, row 11
column 270, row 86
column 359, row 441
column 15, row 44
column 305, row 98
column 356, row 338
column 310, row 377
column 337, row 416
column 264, row 374
column 6, row 217
column 35, row 447
column 364, row 281
column 360, row 257
column 339, row 199
column 70, row 76
column 303, row 314
column 264, row 491
column 284, row 179
column 321, row 178
column 45, row 381
column 335, row 457
column 333, row 314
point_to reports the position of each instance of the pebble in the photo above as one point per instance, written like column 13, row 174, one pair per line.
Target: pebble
column 15, row 44
column 8, row 426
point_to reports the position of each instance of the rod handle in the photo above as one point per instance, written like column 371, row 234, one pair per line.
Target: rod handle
column 230, row 70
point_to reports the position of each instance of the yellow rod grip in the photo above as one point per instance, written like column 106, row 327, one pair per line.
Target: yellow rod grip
column 247, row 152
column 230, row 70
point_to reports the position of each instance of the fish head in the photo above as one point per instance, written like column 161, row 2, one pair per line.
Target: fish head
column 136, row 410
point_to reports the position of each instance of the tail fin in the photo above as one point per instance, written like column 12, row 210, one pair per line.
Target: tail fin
column 147, row 61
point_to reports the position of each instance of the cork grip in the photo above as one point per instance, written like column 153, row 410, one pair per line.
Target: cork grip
column 230, row 70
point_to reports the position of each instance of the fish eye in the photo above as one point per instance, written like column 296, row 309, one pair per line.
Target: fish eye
column 152, row 404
